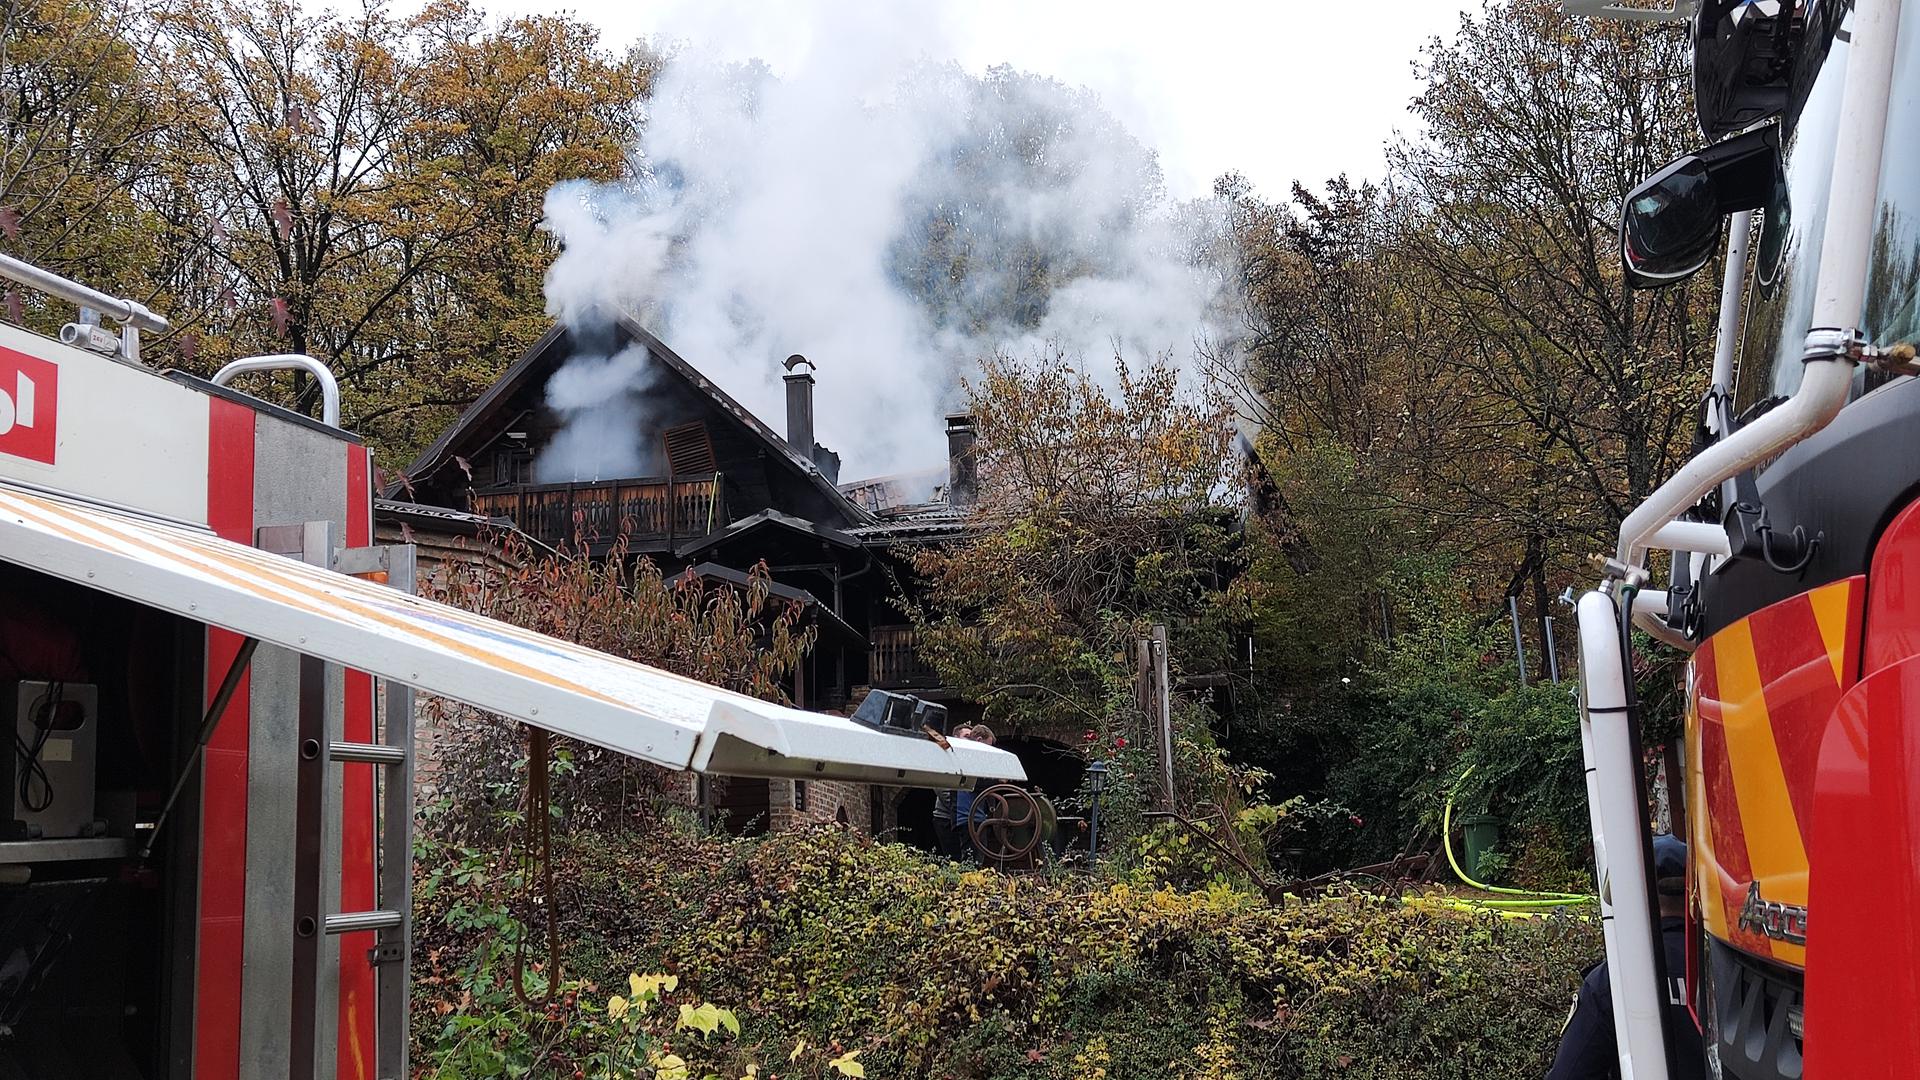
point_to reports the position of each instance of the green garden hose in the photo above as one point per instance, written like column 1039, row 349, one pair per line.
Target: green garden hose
column 1522, row 898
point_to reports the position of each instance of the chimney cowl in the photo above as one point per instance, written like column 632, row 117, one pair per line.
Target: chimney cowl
column 963, row 473
column 800, row 405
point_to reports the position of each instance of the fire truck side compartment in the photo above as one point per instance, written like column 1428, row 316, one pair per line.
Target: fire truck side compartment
column 106, row 939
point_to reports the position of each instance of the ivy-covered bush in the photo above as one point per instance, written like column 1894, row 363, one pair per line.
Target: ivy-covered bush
column 825, row 943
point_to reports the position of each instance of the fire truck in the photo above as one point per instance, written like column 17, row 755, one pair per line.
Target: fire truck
column 208, row 669
column 1790, row 542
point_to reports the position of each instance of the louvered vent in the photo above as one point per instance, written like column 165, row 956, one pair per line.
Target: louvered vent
column 689, row 450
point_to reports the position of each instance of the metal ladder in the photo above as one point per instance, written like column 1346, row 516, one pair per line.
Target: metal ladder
column 316, row 812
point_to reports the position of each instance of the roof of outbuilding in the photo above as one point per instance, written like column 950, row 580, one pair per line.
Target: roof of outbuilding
column 927, row 523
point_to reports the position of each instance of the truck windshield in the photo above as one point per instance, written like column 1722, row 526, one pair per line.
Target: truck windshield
column 1893, row 281
column 1787, row 257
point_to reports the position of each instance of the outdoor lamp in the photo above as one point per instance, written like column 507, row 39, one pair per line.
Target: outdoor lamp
column 1096, row 782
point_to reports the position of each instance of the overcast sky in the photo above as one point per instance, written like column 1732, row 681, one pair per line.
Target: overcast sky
column 1279, row 90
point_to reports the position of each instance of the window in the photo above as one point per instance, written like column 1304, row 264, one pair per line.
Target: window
column 799, row 796
column 512, row 465
column 689, row 450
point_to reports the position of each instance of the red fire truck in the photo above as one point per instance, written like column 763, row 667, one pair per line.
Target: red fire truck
column 207, row 669
column 1794, row 568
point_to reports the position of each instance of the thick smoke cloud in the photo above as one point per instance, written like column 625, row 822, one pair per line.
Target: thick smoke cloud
column 601, row 401
column 892, row 217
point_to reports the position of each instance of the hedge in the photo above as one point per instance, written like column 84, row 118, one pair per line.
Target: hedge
column 928, row 968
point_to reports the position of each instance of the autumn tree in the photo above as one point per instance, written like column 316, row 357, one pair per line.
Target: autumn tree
column 1101, row 511
column 88, row 154
column 742, row 639
column 1462, row 334
column 1536, row 125
column 363, row 188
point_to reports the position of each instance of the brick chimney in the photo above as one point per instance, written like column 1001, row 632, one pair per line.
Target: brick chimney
column 800, row 405
column 963, row 473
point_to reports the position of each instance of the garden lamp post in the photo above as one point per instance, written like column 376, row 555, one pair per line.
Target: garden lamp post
column 1096, row 782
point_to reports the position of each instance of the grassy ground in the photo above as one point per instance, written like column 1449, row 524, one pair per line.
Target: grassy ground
column 928, row 969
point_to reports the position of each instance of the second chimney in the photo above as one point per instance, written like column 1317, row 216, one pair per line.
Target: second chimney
column 800, row 405
column 963, row 472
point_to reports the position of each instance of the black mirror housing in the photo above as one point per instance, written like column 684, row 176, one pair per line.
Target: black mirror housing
column 1670, row 225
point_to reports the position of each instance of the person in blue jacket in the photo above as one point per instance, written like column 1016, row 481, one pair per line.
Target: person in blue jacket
column 1589, row 1049
column 963, row 800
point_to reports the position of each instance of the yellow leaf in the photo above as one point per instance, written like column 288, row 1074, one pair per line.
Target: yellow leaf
column 846, row 1066
column 798, row 1049
column 616, row 1007
column 652, row 987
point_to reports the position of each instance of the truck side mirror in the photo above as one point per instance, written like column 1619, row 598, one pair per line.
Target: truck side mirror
column 1670, row 224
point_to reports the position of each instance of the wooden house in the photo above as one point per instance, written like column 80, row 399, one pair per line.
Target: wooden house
column 722, row 493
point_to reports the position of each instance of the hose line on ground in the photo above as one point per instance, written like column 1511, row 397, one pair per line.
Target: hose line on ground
column 1522, row 898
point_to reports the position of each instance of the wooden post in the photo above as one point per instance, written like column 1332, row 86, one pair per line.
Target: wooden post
column 1153, row 692
column 1163, row 707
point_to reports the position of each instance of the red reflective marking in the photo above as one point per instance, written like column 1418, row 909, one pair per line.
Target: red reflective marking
column 1893, row 595
column 1796, row 678
column 1732, row 868
column 356, row 1020
column 29, row 407
column 223, row 784
column 1862, row 1002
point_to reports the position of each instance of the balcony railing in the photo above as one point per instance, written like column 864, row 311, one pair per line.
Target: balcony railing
column 646, row 512
column 894, row 662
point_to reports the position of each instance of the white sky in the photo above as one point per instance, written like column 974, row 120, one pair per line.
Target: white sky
column 1278, row 89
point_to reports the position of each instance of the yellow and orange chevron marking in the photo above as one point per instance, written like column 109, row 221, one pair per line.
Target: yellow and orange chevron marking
column 1761, row 692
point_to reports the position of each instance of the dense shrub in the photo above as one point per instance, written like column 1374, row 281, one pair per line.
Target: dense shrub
column 929, row 969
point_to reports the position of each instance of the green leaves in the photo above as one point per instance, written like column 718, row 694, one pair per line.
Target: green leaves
column 707, row 1018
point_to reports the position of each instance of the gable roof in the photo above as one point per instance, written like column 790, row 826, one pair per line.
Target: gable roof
column 768, row 519
column 814, row 608
column 546, row 356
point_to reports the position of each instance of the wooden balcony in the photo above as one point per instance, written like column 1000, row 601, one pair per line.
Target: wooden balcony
column 894, row 663
column 651, row 514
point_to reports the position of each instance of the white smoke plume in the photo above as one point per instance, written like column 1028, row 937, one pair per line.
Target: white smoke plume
column 890, row 216
column 602, row 402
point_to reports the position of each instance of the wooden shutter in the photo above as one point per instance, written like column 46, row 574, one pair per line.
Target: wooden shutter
column 689, row 450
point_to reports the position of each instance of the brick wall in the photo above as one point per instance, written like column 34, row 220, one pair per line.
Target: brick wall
column 819, row 802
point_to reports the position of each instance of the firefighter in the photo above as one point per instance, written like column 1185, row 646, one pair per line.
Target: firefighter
column 1588, row 1050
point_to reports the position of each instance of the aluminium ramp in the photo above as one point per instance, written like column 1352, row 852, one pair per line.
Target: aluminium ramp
column 654, row 715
